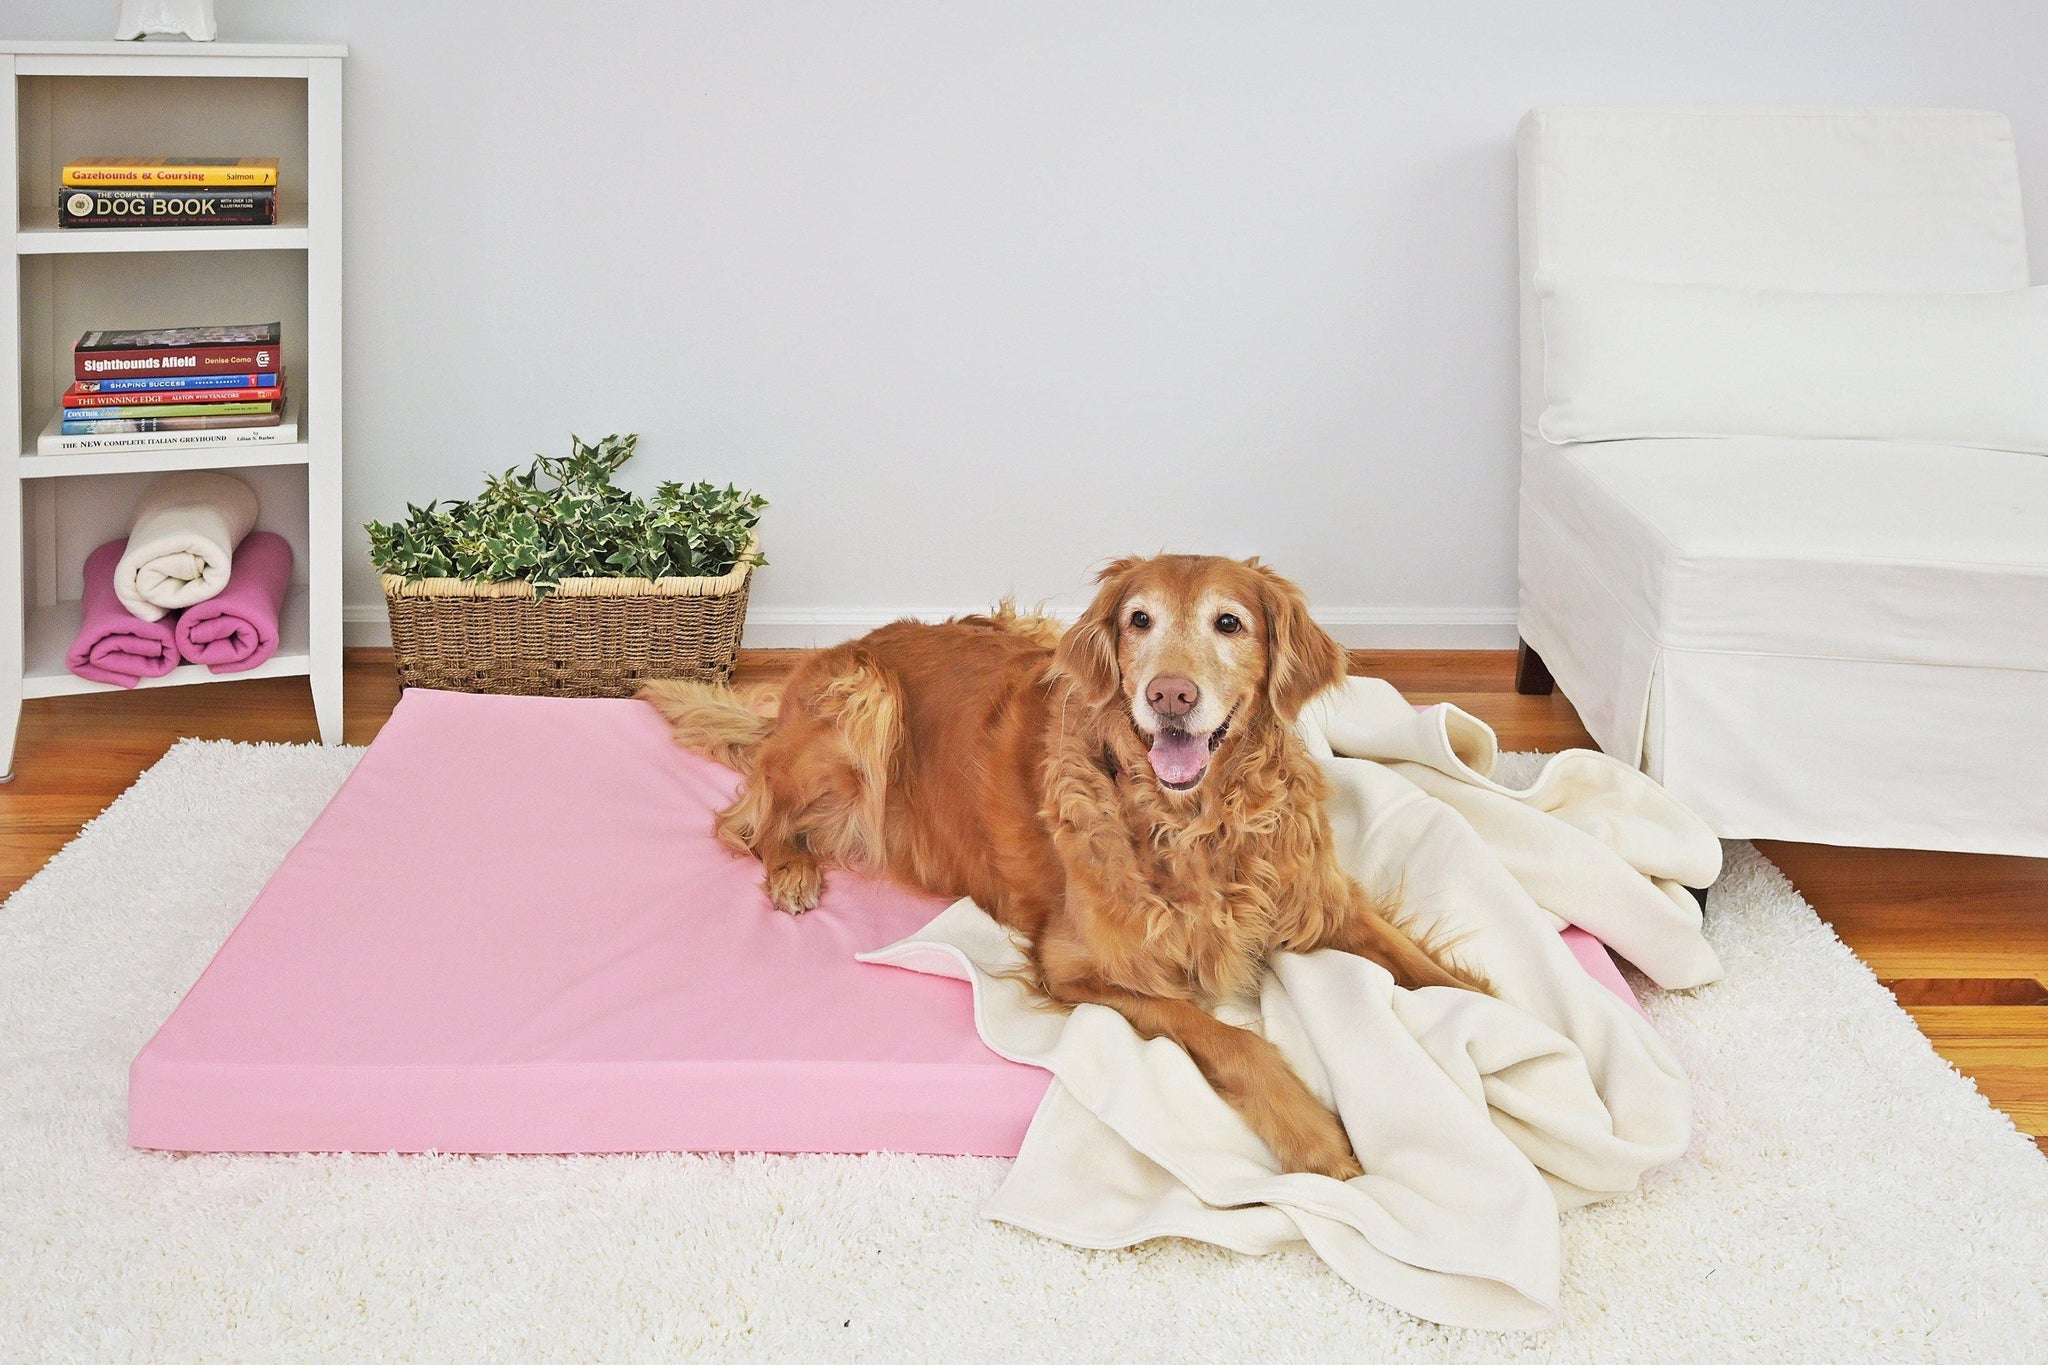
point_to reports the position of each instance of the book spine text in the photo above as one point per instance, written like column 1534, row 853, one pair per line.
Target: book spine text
column 76, row 400
column 129, row 425
column 146, row 175
column 225, row 409
column 166, row 208
column 210, row 381
column 54, row 443
column 183, row 360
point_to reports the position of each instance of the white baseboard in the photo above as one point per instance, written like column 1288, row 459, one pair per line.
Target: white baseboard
column 365, row 624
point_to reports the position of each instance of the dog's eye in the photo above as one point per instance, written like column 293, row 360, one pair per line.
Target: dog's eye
column 1229, row 624
column 1140, row 621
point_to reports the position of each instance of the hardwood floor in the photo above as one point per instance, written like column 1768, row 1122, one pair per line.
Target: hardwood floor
column 1961, row 939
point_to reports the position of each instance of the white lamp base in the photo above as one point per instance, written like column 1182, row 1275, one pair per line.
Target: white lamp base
column 186, row 18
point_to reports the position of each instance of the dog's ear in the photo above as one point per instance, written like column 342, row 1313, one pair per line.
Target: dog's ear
column 1087, row 652
column 1301, row 657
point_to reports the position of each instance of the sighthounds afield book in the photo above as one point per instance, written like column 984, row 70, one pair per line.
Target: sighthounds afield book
column 180, row 351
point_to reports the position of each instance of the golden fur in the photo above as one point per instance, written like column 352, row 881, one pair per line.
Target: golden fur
column 997, row 758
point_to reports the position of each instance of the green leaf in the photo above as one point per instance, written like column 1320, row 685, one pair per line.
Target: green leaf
column 580, row 524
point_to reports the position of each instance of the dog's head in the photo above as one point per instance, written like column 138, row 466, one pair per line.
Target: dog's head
column 1197, row 647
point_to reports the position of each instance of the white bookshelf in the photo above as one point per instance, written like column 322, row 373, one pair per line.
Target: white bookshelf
column 62, row 100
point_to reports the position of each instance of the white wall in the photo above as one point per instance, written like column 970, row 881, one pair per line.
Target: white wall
column 980, row 294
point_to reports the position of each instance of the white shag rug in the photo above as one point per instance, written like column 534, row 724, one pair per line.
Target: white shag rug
column 1849, row 1197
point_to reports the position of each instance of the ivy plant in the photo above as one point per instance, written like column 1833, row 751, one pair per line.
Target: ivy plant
column 563, row 517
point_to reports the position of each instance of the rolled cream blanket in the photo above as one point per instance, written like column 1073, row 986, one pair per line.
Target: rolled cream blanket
column 181, row 541
column 237, row 629
column 112, row 646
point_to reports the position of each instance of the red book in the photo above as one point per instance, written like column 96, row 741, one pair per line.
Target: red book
column 174, row 351
column 79, row 396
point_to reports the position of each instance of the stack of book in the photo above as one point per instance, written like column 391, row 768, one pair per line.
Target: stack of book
column 126, row 191
column 173, row 386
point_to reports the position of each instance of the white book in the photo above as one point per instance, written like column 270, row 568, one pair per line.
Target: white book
column 53, row 441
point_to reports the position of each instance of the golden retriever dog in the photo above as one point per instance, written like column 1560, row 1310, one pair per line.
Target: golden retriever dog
column 1130, row 797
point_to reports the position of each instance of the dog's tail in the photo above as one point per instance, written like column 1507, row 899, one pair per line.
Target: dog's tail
column 1033, row 624
column 724, row 725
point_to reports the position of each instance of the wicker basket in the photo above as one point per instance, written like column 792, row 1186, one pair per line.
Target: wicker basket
column 591, row 637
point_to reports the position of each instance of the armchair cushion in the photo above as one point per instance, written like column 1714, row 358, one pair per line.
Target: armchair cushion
column 1624, row 359
column 1858, row 550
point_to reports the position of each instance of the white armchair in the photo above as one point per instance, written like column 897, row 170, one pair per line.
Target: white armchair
column 1835, row 640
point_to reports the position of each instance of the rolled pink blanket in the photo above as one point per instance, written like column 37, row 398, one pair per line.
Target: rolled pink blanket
column 112, row 646
column 236, row 629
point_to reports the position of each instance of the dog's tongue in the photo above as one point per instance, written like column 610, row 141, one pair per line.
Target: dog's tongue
column 1179, row 759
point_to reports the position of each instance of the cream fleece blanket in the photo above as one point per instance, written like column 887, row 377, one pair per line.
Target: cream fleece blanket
column 1476, row 1119
column 181, row 541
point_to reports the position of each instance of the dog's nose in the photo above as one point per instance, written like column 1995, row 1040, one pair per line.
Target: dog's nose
column 1172, row 697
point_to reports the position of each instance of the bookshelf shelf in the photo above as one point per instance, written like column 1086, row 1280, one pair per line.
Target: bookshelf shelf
column 59, row 49
column 34, row 466
column 40, row 236
column 52, row 627
column 59, row 101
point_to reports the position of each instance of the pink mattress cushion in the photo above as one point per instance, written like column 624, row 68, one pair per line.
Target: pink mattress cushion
column 513, row 931
column 1599, row 964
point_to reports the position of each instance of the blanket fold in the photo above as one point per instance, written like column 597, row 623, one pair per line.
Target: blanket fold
column 236, row 629
column 181, row 541
column 1477, row 1118
column 113, row 646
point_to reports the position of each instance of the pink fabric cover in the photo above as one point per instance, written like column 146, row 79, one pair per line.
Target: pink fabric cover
column 513, row 931
column 1599, row 964
column 236, row 628
column 112, row 646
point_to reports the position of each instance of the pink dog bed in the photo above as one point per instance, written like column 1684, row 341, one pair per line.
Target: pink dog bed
column 513, row 931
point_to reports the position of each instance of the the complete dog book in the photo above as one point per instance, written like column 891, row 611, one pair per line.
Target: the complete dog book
column 181, row 206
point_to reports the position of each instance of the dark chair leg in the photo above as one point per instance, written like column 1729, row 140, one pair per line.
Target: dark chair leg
column 1532, row 677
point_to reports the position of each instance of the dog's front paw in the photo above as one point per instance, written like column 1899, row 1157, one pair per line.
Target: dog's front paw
column 795, row 886
column 1320, row 1148
column 1340, row 1165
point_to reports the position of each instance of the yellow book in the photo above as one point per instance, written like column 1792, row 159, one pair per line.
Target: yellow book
column 252, row 171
